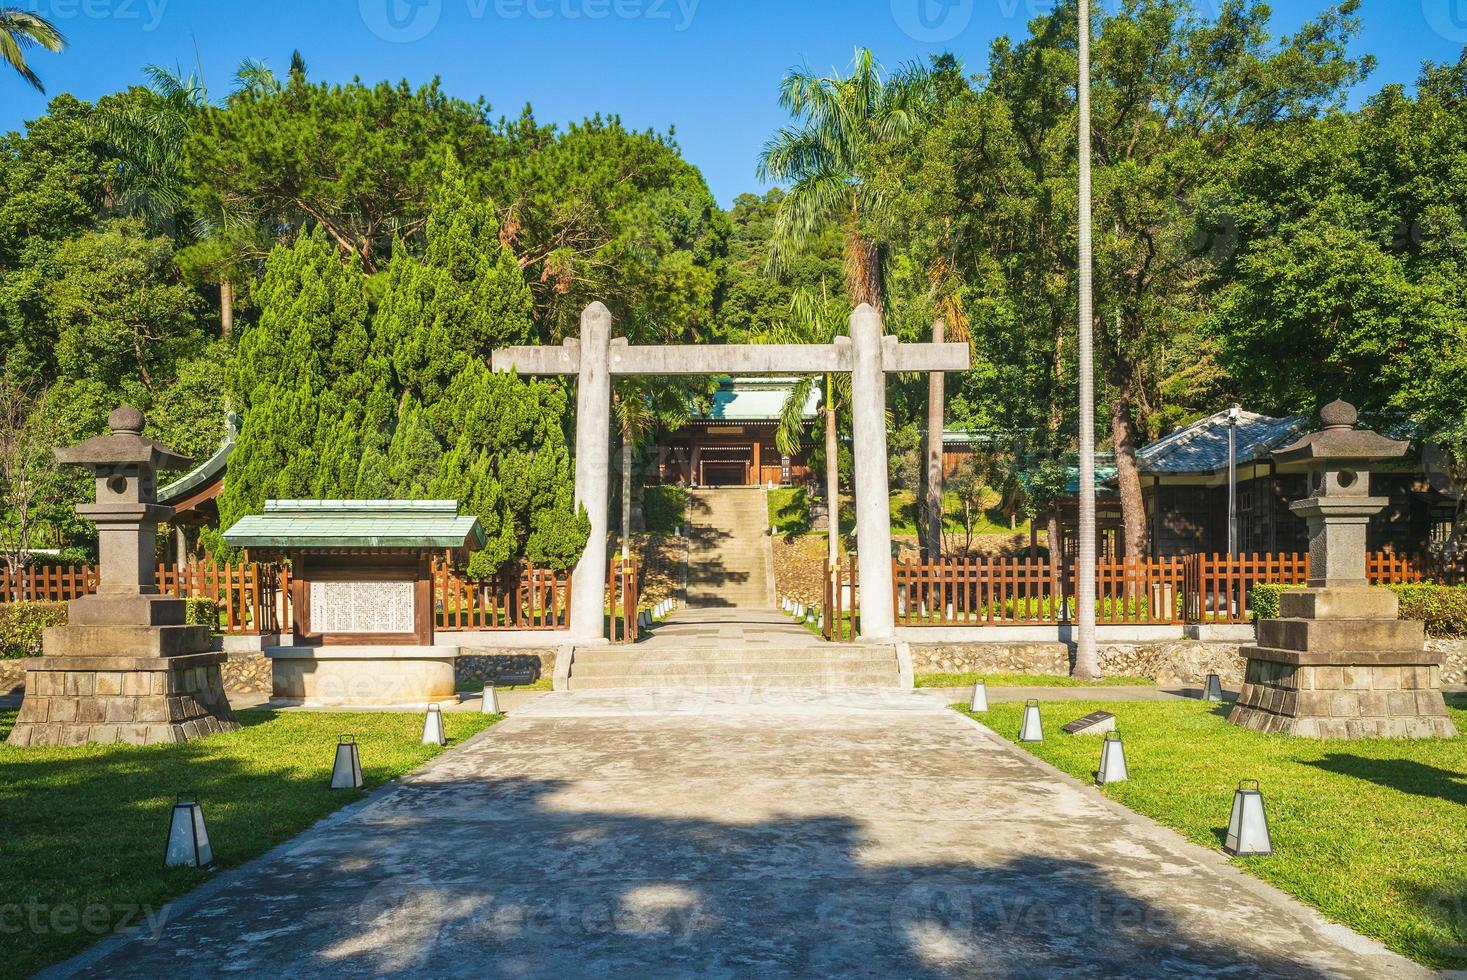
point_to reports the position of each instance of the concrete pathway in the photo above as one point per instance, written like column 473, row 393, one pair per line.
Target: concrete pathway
column 727, row 629
column 633, row 836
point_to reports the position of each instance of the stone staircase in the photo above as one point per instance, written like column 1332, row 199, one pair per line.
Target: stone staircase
column 725, row 648
column 729, row 554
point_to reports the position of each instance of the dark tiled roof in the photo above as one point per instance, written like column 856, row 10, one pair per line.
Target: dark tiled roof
column 1202, row 447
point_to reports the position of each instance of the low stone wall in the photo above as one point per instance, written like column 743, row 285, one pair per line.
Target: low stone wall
column 247, row 672
column 1454, row 658
column 486, row 664
column 12, row 676
column 1170, row 663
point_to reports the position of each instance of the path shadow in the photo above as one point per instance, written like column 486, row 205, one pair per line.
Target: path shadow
column 1403, row 775
column 499, row 876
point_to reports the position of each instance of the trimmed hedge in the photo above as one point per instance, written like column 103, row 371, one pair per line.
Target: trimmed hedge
column 200, row 610
column 1443, row 608
column 21, row 624
column 663, row 508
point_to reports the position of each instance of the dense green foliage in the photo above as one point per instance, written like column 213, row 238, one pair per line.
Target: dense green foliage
column 21, row 624
column 1443, row 608
column 664, row 508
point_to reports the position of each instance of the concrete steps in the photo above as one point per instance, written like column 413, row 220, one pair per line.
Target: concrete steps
column 729, row 551
column 825, row 666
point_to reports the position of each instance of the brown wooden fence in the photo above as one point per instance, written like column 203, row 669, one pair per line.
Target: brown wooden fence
column 539, row 599
column 838, row 617
column 623, row 596
column 249, row 595
column 1006, row 591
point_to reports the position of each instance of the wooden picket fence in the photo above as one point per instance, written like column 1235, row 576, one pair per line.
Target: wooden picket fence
column 538, row 599
column 838, row 617
column 1008, row 591
column 623, row 597
column 249, row 596
column 1005, row 591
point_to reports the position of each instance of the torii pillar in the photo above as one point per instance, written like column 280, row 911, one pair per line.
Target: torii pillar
column 867, row 355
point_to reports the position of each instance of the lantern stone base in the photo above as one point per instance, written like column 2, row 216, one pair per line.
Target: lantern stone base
column 71, row 700
column 367, row 676
column 1340, row 665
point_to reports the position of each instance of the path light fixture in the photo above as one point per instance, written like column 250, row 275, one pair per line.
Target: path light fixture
column 433, row 726
column 188, row 836
column 1248, row 824
column 346, row 773
column 490, row 705
column 1032, row 730
column 980, row 696
column 1112, row 760
column 1212, row 689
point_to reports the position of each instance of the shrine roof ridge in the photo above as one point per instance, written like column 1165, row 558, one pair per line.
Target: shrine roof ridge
column 426, row 524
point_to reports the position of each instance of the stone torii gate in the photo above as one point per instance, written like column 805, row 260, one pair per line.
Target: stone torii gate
column 867, row 355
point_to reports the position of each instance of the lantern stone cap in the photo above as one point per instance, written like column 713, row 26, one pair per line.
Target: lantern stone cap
column 1340, row 439
column 125, row 444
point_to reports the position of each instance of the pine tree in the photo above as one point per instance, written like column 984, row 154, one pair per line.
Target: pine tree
column 313, row 397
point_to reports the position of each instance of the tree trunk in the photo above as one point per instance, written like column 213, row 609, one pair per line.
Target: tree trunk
column 226, row 307
column 1056, row 544
column 863, row 271
column 1128, row 478
column 832, row 476
column 934, row 452
column 626, row 493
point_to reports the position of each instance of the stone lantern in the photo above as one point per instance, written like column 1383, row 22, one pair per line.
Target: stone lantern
column 1338, row 663
column 125, row 667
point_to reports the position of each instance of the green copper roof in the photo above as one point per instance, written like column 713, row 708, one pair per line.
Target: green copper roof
column 357, row 524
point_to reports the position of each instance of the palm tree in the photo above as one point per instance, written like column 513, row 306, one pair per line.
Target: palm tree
column 147, row 136
column 840, row 123
column 20, row 30
column 1087, row 662
column 814, row 319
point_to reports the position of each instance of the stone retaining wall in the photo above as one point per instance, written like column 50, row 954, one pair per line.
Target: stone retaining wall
column 1454, row 662
column 248, row 672
column 494, row 663
column 1170, row 663
column 12, row 676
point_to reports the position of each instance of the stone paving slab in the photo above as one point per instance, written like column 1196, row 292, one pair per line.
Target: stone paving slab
column 634, row 837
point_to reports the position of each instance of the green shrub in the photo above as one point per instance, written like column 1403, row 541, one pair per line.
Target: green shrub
column 789, row 510
column 1443, row 608
column 200, row 610
column 66, row 556
column 1263, row 599
column 21, row 624
column 663, row 508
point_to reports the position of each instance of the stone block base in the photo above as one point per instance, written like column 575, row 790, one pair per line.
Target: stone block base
column 133, row 700
column 375, row 676
column 1342, row 700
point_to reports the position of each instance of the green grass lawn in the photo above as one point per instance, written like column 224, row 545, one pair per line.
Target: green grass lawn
column 904, row 513
column 82, row 829
column 1028, row 680
column 1371, row 832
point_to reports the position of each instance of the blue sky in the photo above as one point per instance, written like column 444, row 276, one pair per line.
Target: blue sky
column 709, row 68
